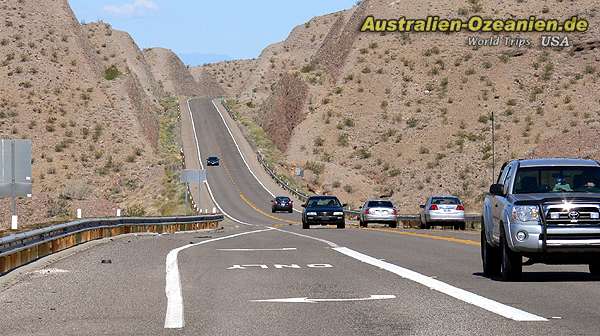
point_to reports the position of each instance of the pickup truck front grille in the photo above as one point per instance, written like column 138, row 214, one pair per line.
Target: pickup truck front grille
column 572, row 214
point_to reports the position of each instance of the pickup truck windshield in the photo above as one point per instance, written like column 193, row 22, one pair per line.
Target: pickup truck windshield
column 557, row 180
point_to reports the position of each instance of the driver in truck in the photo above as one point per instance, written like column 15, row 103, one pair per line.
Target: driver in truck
column 561, row 185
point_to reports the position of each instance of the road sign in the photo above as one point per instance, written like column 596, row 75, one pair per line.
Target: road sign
column 15, row 168
column 15, row 173
column 193, row 175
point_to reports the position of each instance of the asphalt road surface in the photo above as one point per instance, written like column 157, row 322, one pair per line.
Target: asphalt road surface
column 263, row 275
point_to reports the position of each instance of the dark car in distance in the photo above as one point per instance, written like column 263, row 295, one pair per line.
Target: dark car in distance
column 323, row 210
column 212, row 161
column 282, row 203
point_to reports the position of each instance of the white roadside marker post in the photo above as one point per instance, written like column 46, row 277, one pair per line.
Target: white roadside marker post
column 79, row 214
column 14, row 223
column 118, row 212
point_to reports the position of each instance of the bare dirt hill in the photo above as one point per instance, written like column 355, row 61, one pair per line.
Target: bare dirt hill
column 408, row 114
column 231, row 76
column 94, row 131
column 207, row 82
column 171, row 73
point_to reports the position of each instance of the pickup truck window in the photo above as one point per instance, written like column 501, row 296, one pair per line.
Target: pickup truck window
column 557, row 180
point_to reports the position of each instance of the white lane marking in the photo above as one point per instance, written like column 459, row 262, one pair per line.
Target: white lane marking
column 174, row 318
column 202, row 167
column 331, row 244
column 49, row 271
column 307, row 300
column 242, row 155
column 258, row 249
column 460, row 294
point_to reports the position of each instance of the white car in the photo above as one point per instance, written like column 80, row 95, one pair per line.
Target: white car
column 378, row 211
column 443, row 210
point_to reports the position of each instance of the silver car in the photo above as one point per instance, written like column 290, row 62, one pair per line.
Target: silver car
column 443, row 210
column 378, row 211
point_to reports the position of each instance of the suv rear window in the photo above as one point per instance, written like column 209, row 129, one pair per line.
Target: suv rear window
column 280, row 199
column 445, row 200
column 380, row 204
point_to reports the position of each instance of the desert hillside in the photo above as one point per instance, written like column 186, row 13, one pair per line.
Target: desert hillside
column 171, row 73
column 408, row 114
column 88, row 99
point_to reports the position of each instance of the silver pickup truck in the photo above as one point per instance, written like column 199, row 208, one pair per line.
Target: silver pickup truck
column 546, row 210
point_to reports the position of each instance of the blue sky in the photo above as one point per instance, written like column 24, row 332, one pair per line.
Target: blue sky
column 206, row 31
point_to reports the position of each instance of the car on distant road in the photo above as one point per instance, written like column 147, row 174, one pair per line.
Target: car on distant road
column 547, row 210
column 378, row 211
column 443, row 210
column 282, row 203
column 323, row 210
column 212, row 161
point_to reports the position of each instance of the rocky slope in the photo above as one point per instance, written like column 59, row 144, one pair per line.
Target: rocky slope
column 88, row 99
column 171, row 73
column 408, row 114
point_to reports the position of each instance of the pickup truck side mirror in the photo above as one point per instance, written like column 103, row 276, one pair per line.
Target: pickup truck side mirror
column 344, row 205
column 303, row 205
column 497, row 189
column 422, row 206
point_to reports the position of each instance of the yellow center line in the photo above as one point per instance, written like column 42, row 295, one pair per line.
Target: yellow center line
column 428, row 236
column 250, row 204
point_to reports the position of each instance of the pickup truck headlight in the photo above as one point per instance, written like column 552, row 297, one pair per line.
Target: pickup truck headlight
column 338, row 213
column 311, row 213
column 526, row 213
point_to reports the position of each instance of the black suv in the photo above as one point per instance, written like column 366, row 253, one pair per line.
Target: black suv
column 282, row 203
column 323, row 210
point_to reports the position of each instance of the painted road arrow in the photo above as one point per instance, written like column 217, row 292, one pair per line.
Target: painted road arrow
column 307, row 300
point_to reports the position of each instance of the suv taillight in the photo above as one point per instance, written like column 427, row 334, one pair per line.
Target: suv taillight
column 460, row 207
column 367, row 211
column 395, row 212
column 433, row 207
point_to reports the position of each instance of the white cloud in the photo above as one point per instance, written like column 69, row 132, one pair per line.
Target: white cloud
column 137, row 7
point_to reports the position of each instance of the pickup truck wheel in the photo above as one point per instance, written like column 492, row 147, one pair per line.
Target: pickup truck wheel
column 394, row 225
column 511, row 266
column 341, row 226
column 490, row 257
column 305, row 225
column 595, row 269
column 462, row 226
column 424, row 226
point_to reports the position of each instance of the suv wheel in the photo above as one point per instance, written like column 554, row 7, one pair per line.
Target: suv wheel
column 490, row 256
column 595, row 269
column 511, row 266
column 341, row 226
column 394, row 225
column 305, row 225
column 424, row 226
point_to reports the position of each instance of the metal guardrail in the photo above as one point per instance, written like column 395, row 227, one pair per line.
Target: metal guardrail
column 21, row 248
column 472, row 217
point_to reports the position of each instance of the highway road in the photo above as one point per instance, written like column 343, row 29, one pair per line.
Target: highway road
column 261, row 274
